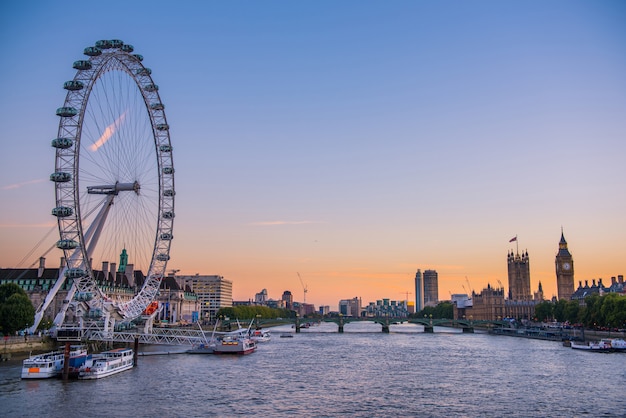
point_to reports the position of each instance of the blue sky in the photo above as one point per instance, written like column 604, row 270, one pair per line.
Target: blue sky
column 352, row 142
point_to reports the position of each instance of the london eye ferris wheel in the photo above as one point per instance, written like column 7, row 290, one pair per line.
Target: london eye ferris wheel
column 114, row 175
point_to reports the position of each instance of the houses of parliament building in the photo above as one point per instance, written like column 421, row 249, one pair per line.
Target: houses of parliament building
column 493, row 304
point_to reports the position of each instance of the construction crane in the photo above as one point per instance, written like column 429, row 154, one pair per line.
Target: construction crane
column 407, row 293
column 469, row 286
column 303, row 287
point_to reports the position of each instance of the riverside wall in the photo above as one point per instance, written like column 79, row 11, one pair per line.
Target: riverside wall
column 20, row 346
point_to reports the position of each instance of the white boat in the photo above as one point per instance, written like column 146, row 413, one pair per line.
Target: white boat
column 43, row 366
column 107, row 363
column 597, row 346
column 232, row 342
column 234, row 345
column 260, row 336
column 618, row 344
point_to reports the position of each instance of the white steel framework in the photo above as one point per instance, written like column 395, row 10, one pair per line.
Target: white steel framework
column 114, row 179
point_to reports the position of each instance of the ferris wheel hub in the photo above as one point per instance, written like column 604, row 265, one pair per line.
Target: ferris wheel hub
column 115, row 188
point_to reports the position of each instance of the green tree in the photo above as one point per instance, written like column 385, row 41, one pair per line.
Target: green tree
column 544, row 311
column 559, row 310
column 16, row 310
column 444, row 310
column 572, row 311
column 249, row 312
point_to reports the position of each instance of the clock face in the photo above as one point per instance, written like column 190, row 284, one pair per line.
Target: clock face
column 566, row 266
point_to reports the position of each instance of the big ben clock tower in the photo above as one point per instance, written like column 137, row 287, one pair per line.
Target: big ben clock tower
column 564, row 271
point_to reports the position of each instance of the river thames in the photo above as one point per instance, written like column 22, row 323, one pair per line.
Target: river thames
column 362, row 373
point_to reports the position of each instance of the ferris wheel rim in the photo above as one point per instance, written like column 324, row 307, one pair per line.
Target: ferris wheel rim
column 105, row 56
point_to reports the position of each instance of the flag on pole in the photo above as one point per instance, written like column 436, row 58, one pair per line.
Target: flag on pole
column 513, row 239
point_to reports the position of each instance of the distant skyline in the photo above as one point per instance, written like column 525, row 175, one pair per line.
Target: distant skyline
column 351, row 142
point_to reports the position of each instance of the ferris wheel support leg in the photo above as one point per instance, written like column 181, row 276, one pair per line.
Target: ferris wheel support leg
column 60, row 318
column 49, row 297
column 95, row 229
column 91, row 236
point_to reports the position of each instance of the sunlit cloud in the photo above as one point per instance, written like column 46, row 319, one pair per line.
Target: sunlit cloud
column 274, row 223
column 22, row 184
column 42, row 225
column 108, row 133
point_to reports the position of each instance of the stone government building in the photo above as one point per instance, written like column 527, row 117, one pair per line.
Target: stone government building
column 494, row 303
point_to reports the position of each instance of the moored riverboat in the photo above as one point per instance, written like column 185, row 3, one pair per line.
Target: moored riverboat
column 46, row 365
column 107, row 363
column 596, row 346
column 234, row 345
column 618, row 344
column 260, row 336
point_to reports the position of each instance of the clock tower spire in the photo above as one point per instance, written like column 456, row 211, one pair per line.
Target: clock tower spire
column 564, row 270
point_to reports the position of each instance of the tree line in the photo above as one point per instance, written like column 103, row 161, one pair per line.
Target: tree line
column 249, row 312
column 607, row 311
column 443, row 310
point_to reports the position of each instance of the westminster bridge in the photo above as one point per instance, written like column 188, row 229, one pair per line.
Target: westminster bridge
column 467, row 325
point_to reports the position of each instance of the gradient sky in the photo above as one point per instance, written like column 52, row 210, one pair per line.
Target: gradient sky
column 350, row 141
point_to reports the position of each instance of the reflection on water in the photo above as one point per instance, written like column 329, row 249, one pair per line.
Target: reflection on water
column 362, row 372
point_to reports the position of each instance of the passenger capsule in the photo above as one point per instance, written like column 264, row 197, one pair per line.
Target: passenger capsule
column 162, row 257
column 151, row 87
column 104, row 44
column 157, row 106
column 94, row 314
column 67, row 112
column 60, row 177
column 82, row 65
column 139, row 57
column 75, row 273
column 128, row 48
column 163, row 127
column 92, row 51
column 168, row 214
column 168, row 170
column 121, row 327
column 62, row 143
column 83, row 296
column 165, row 148
column 144, row 71
column 116, row 43
column 73, row 85
column 169, row 193
column 62, row 211
column 167, row 236
column 67, row 244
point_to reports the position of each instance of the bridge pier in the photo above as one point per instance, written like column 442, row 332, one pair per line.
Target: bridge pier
column 136, row 351
column 428, row 329
column 66, row 360
column 340, row 324
column 468, row 330
column 386, row 326
column 297, row 323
